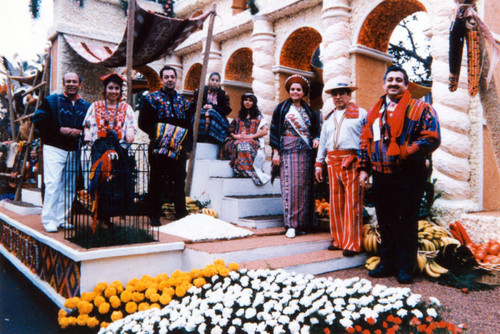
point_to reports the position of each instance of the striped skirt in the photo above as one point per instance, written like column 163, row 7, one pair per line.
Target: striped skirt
column 297, row 183
column 213, row 126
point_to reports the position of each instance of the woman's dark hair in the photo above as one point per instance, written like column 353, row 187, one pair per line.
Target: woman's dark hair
column 213, row 74
column 254, row 111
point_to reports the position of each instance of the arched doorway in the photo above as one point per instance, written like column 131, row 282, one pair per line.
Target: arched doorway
column 300, row 55
column 238, row 77
column 192, row 80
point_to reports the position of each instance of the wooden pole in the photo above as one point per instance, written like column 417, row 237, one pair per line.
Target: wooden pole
column 130, row 48
column 10, row 96
column 189, row 177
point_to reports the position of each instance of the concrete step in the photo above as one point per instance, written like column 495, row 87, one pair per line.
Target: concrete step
column 206, row 151
column 314, row 263
column 259, row 247
column 32, row 196
column 22, row 208
column 235, row 207
column 243, row 187
column 261, row 222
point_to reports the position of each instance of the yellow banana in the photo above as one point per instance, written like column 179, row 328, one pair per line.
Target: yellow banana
column 421, row 260
column 437, row 268
column 430, row 272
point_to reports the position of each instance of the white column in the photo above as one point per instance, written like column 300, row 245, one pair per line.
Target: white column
column 263, row 46
column 451, row 160
column 214, row 59
column 336, row 40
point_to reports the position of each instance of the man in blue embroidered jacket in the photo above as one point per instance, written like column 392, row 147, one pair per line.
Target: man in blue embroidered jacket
column 59, row 120
column 167, row 107
column 398, row 136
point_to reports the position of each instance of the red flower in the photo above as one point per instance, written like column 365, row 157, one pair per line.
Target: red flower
column 421, row 328
column 398, row 321
column 350, row 330
column 326, row 330
column 377, row 331
column 390, row 318
column 365, row 331
column 358, row 328
column 370, row 321
column 429, row 319
column 415, row 321
column 385, row 324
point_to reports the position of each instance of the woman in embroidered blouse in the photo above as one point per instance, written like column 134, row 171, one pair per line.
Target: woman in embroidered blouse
column 295, row 130
column 110, row 114
column 245, row 143
column 215, row 108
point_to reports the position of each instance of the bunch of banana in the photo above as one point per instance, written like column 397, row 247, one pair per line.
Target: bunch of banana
column 372, row 262
column 434, row 270
column 192, row 207
column 421, row 262
column 209, row 212
column 432, row 237
column 371, row 238
column 190, row 200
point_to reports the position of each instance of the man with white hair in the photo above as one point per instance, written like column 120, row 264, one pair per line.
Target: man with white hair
column 339, row 145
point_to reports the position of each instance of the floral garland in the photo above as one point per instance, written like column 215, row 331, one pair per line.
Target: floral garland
column 274, row 301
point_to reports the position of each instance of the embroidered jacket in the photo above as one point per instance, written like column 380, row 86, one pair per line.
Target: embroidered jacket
column 58, row 111
column 158, row 107
column 277, row 125
column 420, row 136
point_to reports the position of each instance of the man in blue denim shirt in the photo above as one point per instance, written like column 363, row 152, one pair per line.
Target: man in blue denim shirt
column 59, row 120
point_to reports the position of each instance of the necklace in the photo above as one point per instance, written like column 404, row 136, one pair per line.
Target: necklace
column 107, row 122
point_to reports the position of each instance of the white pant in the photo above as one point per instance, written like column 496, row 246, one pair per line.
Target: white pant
column 59, row 175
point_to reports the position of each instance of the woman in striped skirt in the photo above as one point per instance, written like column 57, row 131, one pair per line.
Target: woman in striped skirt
column 295, row 131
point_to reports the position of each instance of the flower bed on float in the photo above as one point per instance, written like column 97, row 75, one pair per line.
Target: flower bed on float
column 218, row 300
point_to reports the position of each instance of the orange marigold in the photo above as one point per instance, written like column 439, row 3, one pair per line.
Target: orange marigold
column 219, row 262
column 72, row 321
column 223, row 271
column 88, row 296
column 180, row 291
column 104, row 324
column 131, row 307
column 115, row 301
column 137, row 297
column 104, row 308
column 63, row 322
column 84, row 307
column 143, row 306
column 71, row 303
column 154, row 297
column 149, row 292
column 126, row 296
column 165, row 299
column 62, row 313
column 92, row 322
column 81, row 320
column 110, row 291
column 116, row 315
column 199, row 282
column 234, row 266
column 100, row 287
column 155, row 305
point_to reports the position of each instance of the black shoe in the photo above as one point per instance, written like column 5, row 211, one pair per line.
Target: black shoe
column 333, row 248
column 404, row 278
column 349, row 253
column 381, row 271
column 300, row 232
column 155, row 221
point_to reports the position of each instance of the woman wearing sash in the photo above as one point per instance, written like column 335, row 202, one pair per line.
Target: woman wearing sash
column 245, row 144
column 215, row 108
column 295, row 131
column 110, row 114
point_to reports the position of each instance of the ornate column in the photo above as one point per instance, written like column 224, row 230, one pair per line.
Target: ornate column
column 214, row 58
column 263, row 47
column 336, row 41
column 451, row 160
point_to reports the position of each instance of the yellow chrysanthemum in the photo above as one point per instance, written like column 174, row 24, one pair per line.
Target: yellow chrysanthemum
column 154, row 297
column 104, row 324
column 169, row 291
column 110, row 291
column 81, row 320
column 163, row 284
column 209, row 271
column 131, row 307
column 99, row 300
column 165, row 299
column 133, row 281
column 161, row 277
column 223, row 272
column 141, row 286
column 219, row 262
column 234, row 266
column 62, row 313
column 180, row 291
column 115, row 301
column 137, row 297
column 143, row 306
column 199, row 282
column 84, row 307
column 146, row 278
column 63, row 322
column 104, row 308
column 118, row 286
column 99, row 288
column 195, row 273
column 72, row 321
column 155, row 305
column 149, row 292
column 126, row 296
column 116, row 315
column 71, row 303
column 88, row 296
column 92, row 322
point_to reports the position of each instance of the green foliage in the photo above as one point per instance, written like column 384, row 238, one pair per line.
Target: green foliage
column 112, row 236
column 253, row 7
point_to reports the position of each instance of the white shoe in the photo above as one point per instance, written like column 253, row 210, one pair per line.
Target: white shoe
column 50, row 227
column 66, row 226
column 290, row 233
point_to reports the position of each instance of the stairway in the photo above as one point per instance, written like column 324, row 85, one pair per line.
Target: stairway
column 30, row 203
column 236, row 200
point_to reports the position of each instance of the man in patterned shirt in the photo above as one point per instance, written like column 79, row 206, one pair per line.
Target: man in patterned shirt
column 398, row 135
column 167, row 109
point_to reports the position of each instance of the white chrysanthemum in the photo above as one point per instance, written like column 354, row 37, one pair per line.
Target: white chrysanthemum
column 431, row 312
column 330, row 318
column 231, row 330
column 413, row 300
column 278, row 329
column 345, row 322
column 250, row 327
column 417, row 313
column 402, row 313
column 314, row 321
column 250, row 313
column 216, row 330
column 283, row 319
column 435, row 301
column 305, row 329
column 294, row 327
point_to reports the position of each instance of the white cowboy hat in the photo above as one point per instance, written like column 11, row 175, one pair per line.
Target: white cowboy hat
column 338, row 84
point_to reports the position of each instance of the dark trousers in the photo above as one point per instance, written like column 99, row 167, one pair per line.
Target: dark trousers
column 166, row 175
column 397, row 199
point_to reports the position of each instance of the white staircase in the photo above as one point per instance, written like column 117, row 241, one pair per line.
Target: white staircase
column 30, row 204
column 236, row 200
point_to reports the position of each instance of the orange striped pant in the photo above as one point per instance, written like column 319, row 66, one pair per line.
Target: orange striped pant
column 346, row 200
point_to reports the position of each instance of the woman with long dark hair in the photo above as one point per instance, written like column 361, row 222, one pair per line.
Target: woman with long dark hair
column 245, row 144
column 295, row 131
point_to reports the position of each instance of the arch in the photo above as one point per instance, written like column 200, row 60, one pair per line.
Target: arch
column 239, row 66
column 378, row 26
column 193, row 76
column 298, row 49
